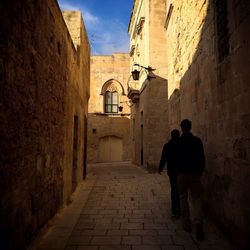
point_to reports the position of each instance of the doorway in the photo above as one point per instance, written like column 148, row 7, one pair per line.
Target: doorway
column 142, row 137
column 110, row 149
column 75, row 153
column 142, row 145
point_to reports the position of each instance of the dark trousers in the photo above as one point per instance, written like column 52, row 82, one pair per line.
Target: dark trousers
column 175, row 200
column 190, row 184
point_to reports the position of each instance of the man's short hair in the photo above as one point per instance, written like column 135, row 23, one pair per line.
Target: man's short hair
column 175, row 133
column 186, row 125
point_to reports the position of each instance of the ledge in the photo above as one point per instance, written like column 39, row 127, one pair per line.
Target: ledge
column 133, row 95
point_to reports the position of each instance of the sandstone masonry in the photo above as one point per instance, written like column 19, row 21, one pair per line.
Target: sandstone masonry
column 44, row 76
column 149, row 118
column 206, row 48
column 208, row 82
column 109, row 130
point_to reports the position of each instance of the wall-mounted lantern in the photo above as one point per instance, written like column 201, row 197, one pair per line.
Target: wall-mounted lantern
column 136, row 73
column 121, row 107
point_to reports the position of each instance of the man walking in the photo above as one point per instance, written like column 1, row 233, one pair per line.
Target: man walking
column 190, row 169
column 170, row 156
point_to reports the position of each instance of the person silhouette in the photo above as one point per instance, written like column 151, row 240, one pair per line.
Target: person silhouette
column 170, row 156
column 190, row 169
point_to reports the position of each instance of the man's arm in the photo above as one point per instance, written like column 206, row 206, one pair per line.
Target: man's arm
column 202, row 158
column 163, row 158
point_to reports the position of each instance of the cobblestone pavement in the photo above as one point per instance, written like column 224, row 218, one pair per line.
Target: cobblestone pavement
column 121, row 206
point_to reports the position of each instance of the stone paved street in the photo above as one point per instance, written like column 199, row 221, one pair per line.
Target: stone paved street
column 121, row 206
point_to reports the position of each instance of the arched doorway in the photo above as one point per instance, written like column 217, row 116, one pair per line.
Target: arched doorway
column 110, row 149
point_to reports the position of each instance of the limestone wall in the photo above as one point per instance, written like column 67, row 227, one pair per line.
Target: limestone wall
column 149, row 119
column 77, row 100
column 215, row 96
column 43, row 80
column 139, row 37
column 104, row 126
column 135, row 132
column 156, row 37
column 106, row 70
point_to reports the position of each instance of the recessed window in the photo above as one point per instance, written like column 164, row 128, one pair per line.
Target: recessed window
column 111, row 102
column 140, row 25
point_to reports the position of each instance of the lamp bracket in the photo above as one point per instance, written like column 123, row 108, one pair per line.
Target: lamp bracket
column 149, row 69
column 128, row 103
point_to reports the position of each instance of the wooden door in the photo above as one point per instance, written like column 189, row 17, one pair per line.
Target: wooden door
column 110, row 149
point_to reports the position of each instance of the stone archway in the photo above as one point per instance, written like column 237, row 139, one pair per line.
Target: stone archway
column 110, row 149
column 113, row 84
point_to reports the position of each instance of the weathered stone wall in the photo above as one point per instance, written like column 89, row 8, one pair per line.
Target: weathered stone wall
column 149, row 119
column 105, row 68
column 149, row 123
column 215, row 96
column 41, row 91
column 156, row 37
column 136, row 142
column 85, row 79
column 155, row 122
column 139, row 36
column 77, row 101
column 103, row 126
column 113, row 69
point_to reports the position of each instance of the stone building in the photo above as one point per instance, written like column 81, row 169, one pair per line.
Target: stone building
column 208, row 83
column 44, row 91
column 109, row 109
column 149, row 113
column 202, row 48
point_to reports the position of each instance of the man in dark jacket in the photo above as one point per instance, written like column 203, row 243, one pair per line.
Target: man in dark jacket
column 170, row 156
column 190, row 169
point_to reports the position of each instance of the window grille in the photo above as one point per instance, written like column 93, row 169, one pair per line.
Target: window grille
column 111, row 102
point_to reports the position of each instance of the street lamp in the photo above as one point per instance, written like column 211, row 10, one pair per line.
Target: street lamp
column 136, row 73
column 121, row 107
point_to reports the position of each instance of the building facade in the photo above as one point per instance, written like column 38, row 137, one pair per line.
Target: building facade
column 109, row 109
column 149, row 113
column 208, row 83
column 202, row 48
column 45, row 74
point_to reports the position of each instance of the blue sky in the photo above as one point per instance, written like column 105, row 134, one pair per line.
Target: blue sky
column 106, row 22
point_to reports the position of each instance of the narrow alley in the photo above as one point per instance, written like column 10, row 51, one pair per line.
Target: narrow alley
column 122, row 206
column 97, row 97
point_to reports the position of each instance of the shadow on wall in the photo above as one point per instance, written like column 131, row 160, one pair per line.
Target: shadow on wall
column 214, row 94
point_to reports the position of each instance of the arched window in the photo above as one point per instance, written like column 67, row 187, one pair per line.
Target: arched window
column 111, row 91
column 111, row 102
